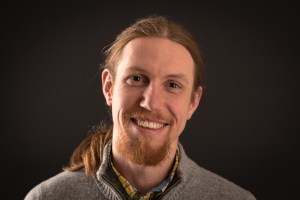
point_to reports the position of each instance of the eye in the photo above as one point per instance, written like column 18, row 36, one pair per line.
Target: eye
column 135, row 80
column 173, row 85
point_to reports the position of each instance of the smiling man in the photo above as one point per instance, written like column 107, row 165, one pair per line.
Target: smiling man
column 151, row 97
column 153, row 81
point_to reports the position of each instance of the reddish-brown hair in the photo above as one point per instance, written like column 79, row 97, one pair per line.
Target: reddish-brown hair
column 88, row 155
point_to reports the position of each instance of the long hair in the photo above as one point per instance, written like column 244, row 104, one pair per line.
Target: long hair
column 88, row 155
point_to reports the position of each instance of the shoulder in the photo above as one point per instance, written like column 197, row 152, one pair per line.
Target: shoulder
column 200, row 181
column 63, row 186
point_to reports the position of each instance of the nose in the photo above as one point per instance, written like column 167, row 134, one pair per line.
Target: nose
column 152, row 99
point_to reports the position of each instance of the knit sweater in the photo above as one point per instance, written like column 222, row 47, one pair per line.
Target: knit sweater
column 194, row 182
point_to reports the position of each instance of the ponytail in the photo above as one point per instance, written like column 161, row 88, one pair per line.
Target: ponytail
column 88, row 155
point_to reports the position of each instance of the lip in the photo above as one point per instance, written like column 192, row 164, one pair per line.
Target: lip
column 149, row 120
column 146, row 129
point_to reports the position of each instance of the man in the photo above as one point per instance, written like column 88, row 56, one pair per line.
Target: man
column 153, row 81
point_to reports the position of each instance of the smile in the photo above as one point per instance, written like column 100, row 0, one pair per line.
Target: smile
column 148, row 124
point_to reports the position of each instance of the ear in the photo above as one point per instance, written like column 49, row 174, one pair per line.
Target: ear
column 107, row 86
column 195, row 101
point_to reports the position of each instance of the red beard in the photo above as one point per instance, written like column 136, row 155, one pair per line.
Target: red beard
column 138, row 149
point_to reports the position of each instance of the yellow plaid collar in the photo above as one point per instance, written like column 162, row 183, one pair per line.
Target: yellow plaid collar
column 133, row 193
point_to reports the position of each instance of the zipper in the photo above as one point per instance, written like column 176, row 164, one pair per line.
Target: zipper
column 165, row 192
column 113, row 188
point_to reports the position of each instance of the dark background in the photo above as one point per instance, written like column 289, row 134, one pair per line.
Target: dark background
column 246, row 127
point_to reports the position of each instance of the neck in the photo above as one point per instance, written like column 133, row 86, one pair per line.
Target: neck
column 143, row 178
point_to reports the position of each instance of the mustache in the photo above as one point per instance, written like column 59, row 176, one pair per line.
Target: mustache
column 139, row 112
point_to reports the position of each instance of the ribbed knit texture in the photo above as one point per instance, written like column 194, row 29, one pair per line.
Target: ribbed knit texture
column 196, row 183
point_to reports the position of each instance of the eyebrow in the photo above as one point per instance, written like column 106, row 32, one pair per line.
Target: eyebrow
column 170, row 76
column 136, row 68
column 178, row 76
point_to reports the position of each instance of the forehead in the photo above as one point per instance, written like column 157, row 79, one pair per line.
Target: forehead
column 157, row 55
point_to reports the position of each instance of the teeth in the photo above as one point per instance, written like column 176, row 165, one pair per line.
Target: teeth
column 146, row 124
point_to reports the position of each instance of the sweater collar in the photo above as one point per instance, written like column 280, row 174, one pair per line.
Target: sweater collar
column 106, row 162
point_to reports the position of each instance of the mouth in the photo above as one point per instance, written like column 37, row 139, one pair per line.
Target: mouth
column 148, row 124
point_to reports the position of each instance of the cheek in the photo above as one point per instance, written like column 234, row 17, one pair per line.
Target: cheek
column 179, row 111
column 128, row 96
column 117, row 103
column 180, row 107
column 122, row 100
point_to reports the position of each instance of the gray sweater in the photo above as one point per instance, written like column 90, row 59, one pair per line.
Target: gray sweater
column 195, row 183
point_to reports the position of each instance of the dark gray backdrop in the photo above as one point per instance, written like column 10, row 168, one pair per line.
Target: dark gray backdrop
column 246, row 127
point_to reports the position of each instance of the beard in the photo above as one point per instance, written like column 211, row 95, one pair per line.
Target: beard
column 138, row 149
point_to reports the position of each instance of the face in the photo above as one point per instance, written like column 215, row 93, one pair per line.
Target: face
column 152, row 98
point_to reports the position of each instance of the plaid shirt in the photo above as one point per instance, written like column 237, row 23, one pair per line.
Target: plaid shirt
column 134, row 194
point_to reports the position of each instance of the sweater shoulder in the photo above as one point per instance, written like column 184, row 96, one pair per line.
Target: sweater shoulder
column 63, row 185
column 210, row 185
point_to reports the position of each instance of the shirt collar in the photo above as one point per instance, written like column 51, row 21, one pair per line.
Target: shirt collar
column 132, row 192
